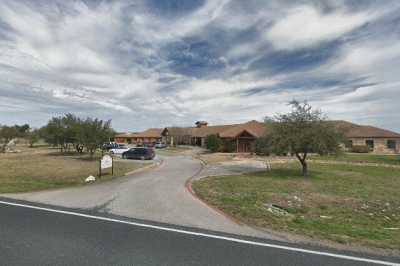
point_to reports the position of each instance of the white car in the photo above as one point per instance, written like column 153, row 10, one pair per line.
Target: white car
column 119, row 150
column 160, row 145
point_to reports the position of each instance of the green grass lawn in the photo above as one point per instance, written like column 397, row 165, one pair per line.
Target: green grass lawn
column 44, row 168
column 362, row 158
column 340, row 202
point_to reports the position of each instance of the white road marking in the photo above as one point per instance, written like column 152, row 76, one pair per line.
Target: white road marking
column 232, row 239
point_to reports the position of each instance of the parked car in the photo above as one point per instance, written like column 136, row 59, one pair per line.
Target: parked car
column 149, row 144
column 119, row 150
column 109, row 145
column 139, row 154
column 160, row 145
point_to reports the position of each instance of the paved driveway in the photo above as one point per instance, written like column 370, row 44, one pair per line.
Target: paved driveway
column 158, row 194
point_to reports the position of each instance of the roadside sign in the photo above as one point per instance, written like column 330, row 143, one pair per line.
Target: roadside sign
column 106, row 162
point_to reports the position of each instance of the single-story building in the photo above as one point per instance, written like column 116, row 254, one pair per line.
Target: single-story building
column 236, row 137
column 377, row 139
column 242, row 137
column 151, row 135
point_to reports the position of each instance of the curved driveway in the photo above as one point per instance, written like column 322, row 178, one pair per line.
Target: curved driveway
column 157, row 194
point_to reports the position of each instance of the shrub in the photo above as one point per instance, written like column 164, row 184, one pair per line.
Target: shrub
column 214, row 143
column 360, row 149
column 229, row 146
column 263, row 146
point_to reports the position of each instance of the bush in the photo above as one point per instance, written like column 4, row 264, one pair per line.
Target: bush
column 360, row 149
column 263, row 146
column 229, row 146
column 214, row 143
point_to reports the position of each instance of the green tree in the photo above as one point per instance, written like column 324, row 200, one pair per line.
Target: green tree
column 22, row 129
column 62, row 131
column 33, row 136
column 93, row 133
column 303, row 131
column 263, row 145
column 213, row 143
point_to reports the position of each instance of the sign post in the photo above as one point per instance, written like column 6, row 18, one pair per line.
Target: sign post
column 106, row 162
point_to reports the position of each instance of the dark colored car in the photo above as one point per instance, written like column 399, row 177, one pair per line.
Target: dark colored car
column 139, row 154
column 149, row 144
column 109, row 145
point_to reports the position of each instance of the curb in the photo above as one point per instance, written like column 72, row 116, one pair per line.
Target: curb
column 188, row 185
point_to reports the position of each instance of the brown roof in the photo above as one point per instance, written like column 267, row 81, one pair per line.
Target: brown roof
column 351, row 130
column 205, row 131
column 125, row 135
column 258, row 129
column 255, row 128
column 149, row 133
column 178, row 131
column 371, row 132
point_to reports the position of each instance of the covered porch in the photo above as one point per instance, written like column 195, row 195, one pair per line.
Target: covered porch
column 243, row 142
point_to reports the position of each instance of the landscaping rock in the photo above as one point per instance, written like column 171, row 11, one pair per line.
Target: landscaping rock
column 276, row 210
column 90, row 179
column 297, row 198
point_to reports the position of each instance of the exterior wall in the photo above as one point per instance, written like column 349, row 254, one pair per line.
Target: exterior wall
column 239, row 145
column 380, row 144
column 136, row 140
column 203, row 142
column 177, row 140
column 196, row 141
column 120, row 140
column 246, row 145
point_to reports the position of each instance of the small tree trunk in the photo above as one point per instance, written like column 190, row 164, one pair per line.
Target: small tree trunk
column 303, row 162
column 91, row 152
column 3, row 148
column 305, row 168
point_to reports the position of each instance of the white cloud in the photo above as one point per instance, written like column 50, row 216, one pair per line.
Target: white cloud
column 307, row 26
column 109, row 60
column 372, row 57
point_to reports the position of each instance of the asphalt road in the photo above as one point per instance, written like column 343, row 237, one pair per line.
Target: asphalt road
column 42, row 237
column 158, row 194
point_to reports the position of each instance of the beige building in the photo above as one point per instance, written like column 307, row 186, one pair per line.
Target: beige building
column 236, row 137
column 151, row 135
column 242, row 137
column 377, row 139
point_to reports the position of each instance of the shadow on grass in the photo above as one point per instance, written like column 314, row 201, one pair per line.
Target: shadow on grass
column 62, row 154
column 287, row 173
column 86, row 157
column 75, row 155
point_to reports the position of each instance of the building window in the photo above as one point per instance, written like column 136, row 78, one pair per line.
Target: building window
column 391, row 144
column 348, row 144
column 370, row 143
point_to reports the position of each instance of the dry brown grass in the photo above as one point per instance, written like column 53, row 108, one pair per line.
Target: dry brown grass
column 213, row 158
column 42, row 168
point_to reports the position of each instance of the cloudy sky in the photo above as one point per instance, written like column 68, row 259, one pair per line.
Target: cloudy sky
column 147, row 63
